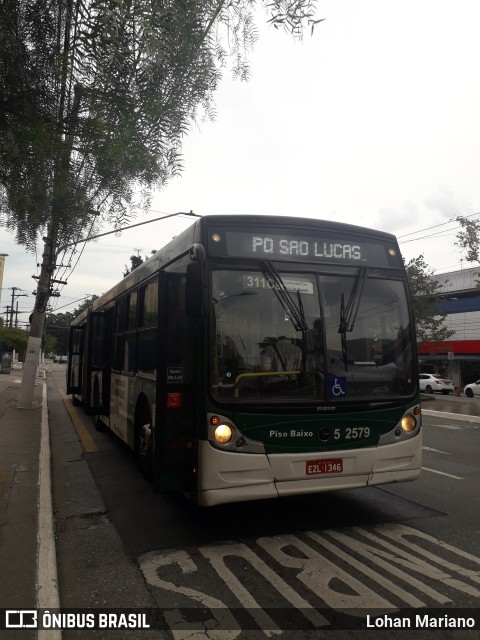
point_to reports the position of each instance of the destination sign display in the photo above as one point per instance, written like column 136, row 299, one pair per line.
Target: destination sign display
column 292, row 247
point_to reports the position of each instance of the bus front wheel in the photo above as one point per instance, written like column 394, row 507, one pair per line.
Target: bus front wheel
column 144, row 445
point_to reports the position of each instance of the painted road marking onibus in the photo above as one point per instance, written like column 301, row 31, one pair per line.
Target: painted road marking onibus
column 352, row 570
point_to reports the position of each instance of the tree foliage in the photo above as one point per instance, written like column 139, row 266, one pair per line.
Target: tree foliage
column 424, row 290
column 468, row 238
column 135, row 261
column 97, row 95
column 14, row 339
column 95, row 99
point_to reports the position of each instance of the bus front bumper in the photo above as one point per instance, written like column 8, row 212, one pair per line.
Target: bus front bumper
column 226, row 476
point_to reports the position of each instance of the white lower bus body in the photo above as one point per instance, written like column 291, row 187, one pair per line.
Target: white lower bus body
column 226, row 476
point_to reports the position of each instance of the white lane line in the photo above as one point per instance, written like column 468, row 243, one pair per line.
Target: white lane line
column 451, row 427
column 436, row 450
column 442, row 473
column 47, row 581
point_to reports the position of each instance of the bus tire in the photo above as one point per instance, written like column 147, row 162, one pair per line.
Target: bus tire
column 144, row 442
column 97, row 423
column 75, row 401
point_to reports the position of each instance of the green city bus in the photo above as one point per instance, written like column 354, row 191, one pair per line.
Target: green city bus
column 257, row 357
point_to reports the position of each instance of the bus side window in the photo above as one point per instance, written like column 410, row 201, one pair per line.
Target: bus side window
column 179, row 327
column 119, row 338
column 130, row 356
column 147, row 328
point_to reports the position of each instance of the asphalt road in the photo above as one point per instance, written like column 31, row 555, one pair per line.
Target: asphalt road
column 283, row 567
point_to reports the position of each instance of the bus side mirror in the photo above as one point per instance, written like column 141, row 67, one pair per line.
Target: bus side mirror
column 194, row 290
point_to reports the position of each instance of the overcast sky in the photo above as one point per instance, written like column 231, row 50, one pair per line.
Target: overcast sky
column 375, row 120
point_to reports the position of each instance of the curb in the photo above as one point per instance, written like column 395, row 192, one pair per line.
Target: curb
column 451, row 416
column 47, row 581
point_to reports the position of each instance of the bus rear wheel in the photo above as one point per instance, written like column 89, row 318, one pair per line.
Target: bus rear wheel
column 144, row 445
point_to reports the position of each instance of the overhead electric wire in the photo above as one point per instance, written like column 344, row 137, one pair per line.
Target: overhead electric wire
column 84, row 242
column 437, row 225
column 436, row 234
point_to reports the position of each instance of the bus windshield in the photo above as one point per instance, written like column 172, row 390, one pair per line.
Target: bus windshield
column 300, row 346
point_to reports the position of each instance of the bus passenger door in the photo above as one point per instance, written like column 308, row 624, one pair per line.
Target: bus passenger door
column 99, row 361
column 174, row 448
column 75, row 359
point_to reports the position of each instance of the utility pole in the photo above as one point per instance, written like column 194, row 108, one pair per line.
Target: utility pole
column 32, row 356
column 50, row 254
column 14, row 295
column 13, row 300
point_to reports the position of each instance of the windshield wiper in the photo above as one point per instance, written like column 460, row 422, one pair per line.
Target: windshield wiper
column 295, row 313
column 348, row 313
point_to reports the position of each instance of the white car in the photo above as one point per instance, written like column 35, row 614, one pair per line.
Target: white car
column 472, row 389
column 433, row 382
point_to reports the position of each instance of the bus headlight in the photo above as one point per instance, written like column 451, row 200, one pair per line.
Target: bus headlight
column 223, row 433
column 409, row 422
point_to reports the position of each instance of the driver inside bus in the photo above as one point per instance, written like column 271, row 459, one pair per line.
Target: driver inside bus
column 279, row 354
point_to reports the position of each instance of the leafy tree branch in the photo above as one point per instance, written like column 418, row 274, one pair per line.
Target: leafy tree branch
column 424, row 289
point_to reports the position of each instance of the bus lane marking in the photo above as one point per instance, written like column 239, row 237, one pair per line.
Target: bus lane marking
column 216, row 555
column 427, row 569
column 377, row 578
column 317, row 573
column 180, row 627
column 385, row 561
column 399, row 533
column 398, row 551
column 382, row 560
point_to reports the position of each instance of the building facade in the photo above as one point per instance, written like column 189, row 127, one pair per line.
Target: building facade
column 458, row 358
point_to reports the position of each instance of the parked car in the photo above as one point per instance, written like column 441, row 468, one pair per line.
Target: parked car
column 472, row 389
column 60, row 359
column 433, row 382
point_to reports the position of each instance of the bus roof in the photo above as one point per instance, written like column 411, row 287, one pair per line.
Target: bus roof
column 197, row 233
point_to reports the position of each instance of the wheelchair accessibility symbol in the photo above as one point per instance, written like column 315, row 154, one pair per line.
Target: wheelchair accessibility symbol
column 337, row 386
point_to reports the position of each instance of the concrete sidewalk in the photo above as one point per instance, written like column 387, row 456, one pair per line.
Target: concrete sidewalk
column 20, row 470
column 42, row 461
